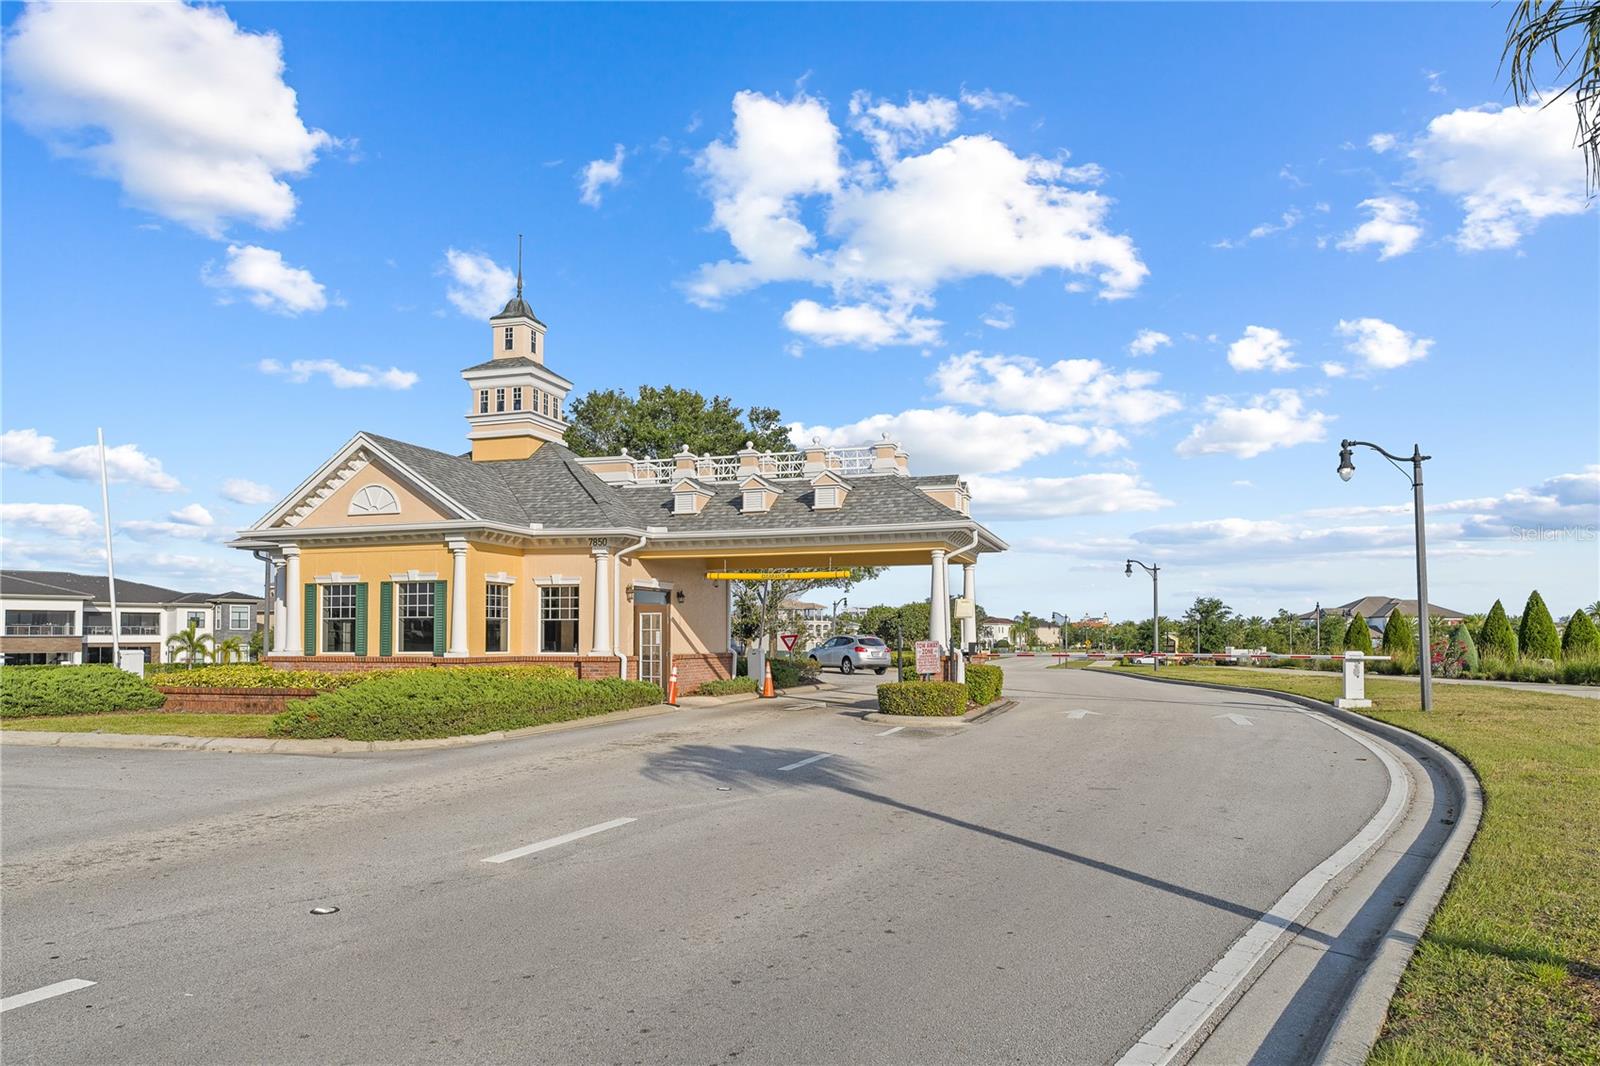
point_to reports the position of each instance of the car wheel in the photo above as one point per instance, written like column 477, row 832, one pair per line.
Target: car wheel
column 879, row 670
column 814, row 661
column 846, row 666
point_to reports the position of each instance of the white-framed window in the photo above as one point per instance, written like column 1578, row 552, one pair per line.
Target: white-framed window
column 483, row 401
column 338, row 619
column 238, row 616
column 509, row 337
column 496, row 617
column 547, row 404
column 416, row 616
column 499, row 399
column 197, row 619
column 516, row 398
column 533, row 343
column 222, row 618
column 558, row 619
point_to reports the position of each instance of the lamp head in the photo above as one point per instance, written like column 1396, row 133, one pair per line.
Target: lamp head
column 1128, row 570
column 1346, row 466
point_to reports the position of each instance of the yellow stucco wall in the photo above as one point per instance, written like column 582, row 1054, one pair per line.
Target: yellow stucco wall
column 490, row 449
column 334, row 510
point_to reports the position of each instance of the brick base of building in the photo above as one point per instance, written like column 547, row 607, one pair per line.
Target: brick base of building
column 184, row 700
column 696, row 670
column 587, row 666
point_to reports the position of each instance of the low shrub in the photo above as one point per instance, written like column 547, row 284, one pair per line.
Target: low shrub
column 927, row 698
column 790, row 671
column 726, row 686
column 259, row 675
column 445, row 702
column 1585, row 671
column 36, row 690
column 984, row 683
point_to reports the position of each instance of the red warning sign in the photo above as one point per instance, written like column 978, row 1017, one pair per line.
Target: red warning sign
column 789, row 640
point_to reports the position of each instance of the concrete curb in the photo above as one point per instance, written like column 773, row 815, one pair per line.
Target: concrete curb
column 925, row 721
column 1360, row 1020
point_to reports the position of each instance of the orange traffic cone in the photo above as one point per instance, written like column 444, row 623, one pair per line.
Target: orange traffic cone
column 672, row 688
column 767, row 691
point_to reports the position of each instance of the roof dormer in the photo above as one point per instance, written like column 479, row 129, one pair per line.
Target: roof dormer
column 689, row 496
column 828, row 491
column 759, row 494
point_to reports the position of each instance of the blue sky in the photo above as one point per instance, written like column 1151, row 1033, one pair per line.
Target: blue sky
column 947, row 223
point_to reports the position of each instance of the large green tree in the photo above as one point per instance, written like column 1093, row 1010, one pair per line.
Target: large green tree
column 660, row 421
column 1581, row 640
column 1207, row 621
column 1357, row 637
column 1538, row 637
column 1497, row 640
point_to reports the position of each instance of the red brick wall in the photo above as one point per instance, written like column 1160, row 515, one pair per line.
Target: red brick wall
column 587, row 666
column 231, row 700
column 695, row 670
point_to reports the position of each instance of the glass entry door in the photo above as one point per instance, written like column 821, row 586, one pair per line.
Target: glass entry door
column 653, row 638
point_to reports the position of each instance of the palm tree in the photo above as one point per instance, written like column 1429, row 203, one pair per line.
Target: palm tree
column 1539, row 25
column 229, row 651
column 1594, row 609
column 191, row 645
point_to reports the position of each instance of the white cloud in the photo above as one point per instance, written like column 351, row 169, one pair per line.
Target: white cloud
column 1277, row 420
column 1335, row 370
column 598, row 173
column 479, row 286
column 1381, row 142
column 1382, row 345
column 268, row 282
column 27, row 449
column 1081, row 386
column 1061, row 497
column 192, row 515
column 990, row 100
column 1286, row 221
column 1261, row 348
column 1392, row 227
column 944, row 439
column 1000, row 316
column 1146, row 341
column 1434, row 84
column 364, row 377
column 189, row 113
column 241, row 490
column 863, row 325
column 898, row 226
column 1509, row 168
column 62, row 519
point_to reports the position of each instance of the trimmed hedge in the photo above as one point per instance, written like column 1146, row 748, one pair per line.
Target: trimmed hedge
column 37, row 690
column 984, row 683
column 259, row 675
column 942, row 699
column 447, row 702
column 1538, row 639
column 787, row 673
column 1581, row 640
column 727, row 686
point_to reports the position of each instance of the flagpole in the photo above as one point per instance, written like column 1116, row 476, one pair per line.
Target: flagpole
column 111, row 566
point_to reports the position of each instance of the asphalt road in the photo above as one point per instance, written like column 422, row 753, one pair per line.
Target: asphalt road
column 1037, row 888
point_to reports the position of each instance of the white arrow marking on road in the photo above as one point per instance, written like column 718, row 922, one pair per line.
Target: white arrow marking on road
column 60, row 988
column 1076, row 715
column 1236, row 719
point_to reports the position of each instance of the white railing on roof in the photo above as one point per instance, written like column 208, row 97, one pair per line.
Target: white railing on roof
column 786, row 464
column 846, row 461
column 856, row 460
column 717, row 468
column 649, row 471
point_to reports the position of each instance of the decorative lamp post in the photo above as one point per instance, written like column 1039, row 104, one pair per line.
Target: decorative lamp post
column 1424, row 644
column 1155, row 606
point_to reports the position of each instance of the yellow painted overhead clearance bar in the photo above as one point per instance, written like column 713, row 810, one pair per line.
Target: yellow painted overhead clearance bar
column 767, row 575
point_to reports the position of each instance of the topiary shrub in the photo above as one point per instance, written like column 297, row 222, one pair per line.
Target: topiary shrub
column 789, row 672
column 1582, row 639
column 726, row 686
column 1357, row 637
column 36, row 690
column 1458, row 653
column 944, row 699
column 1538, row 638
column 1399, row 642
column 456, row 701
column 1497, row 640
column 984, row 683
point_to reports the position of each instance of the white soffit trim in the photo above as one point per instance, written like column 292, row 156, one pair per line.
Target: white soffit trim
column 415, row 575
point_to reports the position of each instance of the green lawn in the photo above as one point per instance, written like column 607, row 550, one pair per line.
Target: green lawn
column 1509, row 971
column 187, row 725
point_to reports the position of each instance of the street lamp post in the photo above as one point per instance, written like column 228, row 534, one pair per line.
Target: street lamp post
column 1425, row 645
column 844, row 600
column 1155, row 607
column 1319, row 627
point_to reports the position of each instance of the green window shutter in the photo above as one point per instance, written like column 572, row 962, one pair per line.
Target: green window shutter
column 311, row 618
column 361, row 618
column 386, row 618
column 438, row 617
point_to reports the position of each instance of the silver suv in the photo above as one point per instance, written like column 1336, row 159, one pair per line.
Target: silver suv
column 848, row 653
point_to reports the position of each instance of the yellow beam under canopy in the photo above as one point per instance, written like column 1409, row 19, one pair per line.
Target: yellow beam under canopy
column 765, row 575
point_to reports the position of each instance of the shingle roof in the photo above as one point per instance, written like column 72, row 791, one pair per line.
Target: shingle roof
column 517, row 307
column 555, row 490
column 516, row 362
column 1370, row 607
column 86, row 586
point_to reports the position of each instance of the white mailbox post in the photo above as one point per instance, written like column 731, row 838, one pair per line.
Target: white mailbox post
column 1355, row 679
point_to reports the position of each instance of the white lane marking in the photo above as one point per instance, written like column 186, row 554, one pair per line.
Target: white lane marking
column 806, row 762
column 60, row 988
column 1236, row 719
column 564, row 838
column 891, row 732
column 1173, row 1031
column 1077, row 715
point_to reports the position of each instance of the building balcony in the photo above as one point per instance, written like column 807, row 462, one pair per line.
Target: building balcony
column 52, row 630
column 141, row 631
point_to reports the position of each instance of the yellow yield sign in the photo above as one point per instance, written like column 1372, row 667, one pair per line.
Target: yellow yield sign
column 767, row 575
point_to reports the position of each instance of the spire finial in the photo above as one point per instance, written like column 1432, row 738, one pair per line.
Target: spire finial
column 519, row 266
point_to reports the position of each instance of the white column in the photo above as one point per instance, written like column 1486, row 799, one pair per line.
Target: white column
column 939, row 601
column 601, row 550
column 458, row 597
column 969, row 591
column 280, row 600
column 293, row 603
